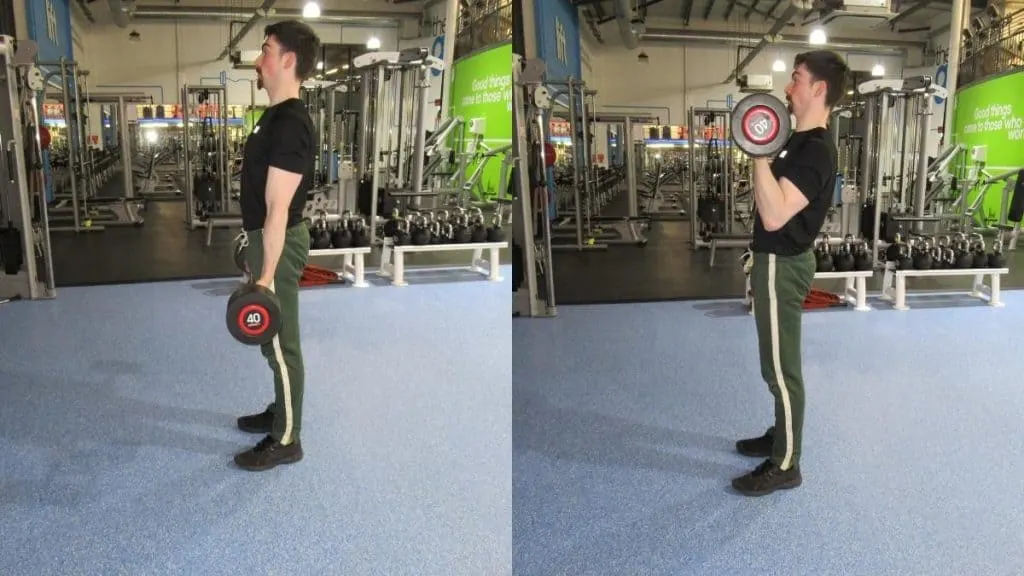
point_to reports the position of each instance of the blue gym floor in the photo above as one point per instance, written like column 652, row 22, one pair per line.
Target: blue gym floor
column 118, row 426
column 625, row 416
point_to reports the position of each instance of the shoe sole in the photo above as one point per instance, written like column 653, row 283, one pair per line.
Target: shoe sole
column 290, row 460
column 787, row 486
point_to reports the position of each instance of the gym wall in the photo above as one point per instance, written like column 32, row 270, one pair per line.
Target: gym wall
column 482, row 88
column 676, row 77
column 171, row 54
column 558, row 39
column 990, row 113
column 49, row 25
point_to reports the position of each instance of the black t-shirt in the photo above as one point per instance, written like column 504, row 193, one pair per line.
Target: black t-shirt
column 283, row 138
column 808, row 161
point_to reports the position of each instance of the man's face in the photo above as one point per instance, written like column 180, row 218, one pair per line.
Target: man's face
column 802, row 91
column 272, row 64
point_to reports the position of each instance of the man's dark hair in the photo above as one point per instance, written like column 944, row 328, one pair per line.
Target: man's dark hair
column 828, row 67
column 298, row 38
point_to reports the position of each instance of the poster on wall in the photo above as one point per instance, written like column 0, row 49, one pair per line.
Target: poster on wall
column 482, row 89
column 49, row 25
column 991, row 114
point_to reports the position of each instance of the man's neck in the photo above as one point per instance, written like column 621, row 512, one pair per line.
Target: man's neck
column 811, row 120
column 284, row 93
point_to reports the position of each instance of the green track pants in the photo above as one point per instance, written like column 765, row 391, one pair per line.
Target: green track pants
column 780, row 285
column 284, row 352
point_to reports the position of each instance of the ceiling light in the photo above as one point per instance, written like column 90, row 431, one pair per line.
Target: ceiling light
column 779, row 66
column 878, row 71
column 311, row 10
column 818, row 37
column 373, row 43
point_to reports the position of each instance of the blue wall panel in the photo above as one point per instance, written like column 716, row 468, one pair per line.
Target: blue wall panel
column 49, row 25
column 558, row 39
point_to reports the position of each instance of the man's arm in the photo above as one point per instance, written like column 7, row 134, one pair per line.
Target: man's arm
column 803, row 180
column 290, row 155
column 281, row 187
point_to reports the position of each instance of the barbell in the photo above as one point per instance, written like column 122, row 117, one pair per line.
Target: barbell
column 760, row 125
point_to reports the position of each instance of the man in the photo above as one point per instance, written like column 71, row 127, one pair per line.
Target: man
column 277, row 172
column 793, row 194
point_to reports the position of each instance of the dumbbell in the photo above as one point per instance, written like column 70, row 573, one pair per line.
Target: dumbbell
column 760, row 125
column 253, row 315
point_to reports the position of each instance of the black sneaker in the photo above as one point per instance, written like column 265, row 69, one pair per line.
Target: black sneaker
column 760, row 447
column 269, row 453
column 767, row 478
column 262, row 423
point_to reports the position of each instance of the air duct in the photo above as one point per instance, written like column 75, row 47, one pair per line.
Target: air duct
column 624, row 18
column 221, row 13
column 262, row 11
column 865, row 46
column 121, row 11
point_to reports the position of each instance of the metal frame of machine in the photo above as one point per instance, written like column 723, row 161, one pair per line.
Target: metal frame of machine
column 34, row 277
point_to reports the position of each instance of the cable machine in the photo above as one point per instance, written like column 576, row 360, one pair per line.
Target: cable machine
column 204, row 144
column 382, row 181
column 27, row 260
column 534, row 282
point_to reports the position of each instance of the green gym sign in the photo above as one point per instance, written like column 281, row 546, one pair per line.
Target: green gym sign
column 482, row 96
column 991, row 114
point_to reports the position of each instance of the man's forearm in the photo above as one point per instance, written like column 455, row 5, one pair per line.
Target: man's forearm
column 768, row 195
column 274, row 229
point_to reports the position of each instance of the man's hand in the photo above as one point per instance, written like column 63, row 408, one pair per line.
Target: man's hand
column 265, row 282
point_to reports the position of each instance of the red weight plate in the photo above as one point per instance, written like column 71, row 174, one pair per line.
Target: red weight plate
column 257, row 330
column 760, row 124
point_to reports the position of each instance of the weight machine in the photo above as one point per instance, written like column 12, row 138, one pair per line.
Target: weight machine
column 25, row 253
column 207, row 177
column 895, row 172
column 378, row 108
column 713, row 181
column 125, row 210
column 534, row 283
column 585, row 228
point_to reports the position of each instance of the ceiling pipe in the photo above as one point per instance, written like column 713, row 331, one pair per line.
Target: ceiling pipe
column 221, row 13
column 781, row 22
column 121, row 12
column 624, row 19
column 865, row 46
column 85, row 11
column 249, row 25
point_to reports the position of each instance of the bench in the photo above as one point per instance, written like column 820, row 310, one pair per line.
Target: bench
column 855, row 291
column 727, row 241
column 396, row 269
column 353, row 267
column 894, row 283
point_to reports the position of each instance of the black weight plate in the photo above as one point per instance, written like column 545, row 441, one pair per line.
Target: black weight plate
column 253, row 315
column 760, row 125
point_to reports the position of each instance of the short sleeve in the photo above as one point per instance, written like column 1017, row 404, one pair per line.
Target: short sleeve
column 811, row 169
column 291, row 146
